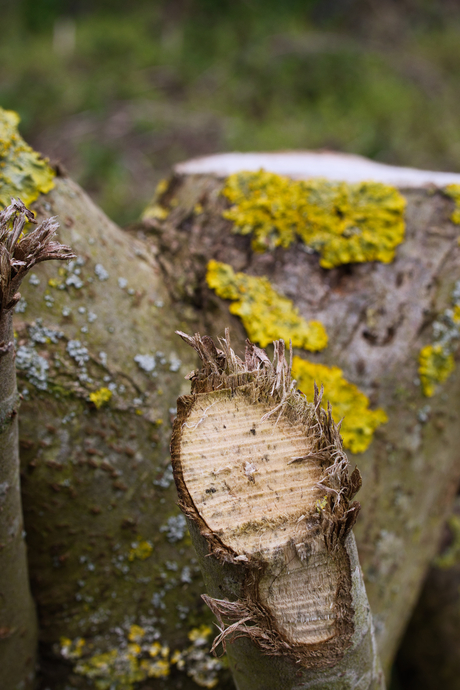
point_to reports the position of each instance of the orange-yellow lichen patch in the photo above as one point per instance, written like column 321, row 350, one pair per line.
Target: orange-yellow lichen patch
column 155, row 210
column 23, row 172
column 140, row 549
column 453, row 190
column 136, row 633
column 436, row 361
column 139, row 658
column 343, row 222
column 435, row 366
column 266, row 315
column 348, row 402
column 100, row 397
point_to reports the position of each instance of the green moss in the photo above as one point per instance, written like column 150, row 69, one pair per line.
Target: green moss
column 453, row 190
column 345, row 223
column 23, row 173
column 435, row 366
column 347, row 402
column 265, row 314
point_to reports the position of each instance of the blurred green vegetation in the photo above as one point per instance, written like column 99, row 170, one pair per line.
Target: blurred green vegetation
column 119, row 95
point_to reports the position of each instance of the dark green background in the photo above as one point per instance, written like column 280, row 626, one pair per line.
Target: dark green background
column 141, row 88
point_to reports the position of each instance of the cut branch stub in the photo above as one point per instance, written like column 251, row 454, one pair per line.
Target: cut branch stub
column 19, row 252
column 262, row 475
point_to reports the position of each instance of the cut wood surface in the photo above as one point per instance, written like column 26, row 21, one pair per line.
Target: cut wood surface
column 308, row 164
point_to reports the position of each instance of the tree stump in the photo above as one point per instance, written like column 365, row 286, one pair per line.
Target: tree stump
column 376, row 265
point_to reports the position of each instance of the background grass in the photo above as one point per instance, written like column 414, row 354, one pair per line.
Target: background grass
column 120, row 95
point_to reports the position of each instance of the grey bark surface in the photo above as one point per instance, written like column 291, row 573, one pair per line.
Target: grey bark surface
column 378, row 317
column 108, row 548
column 19, row 252
column 18, row 625
column 359, row 668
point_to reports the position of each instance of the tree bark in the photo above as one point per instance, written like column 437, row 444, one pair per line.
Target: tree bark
column 19, row 252
column 429, row 656
column 100, row 369
column 18, row 628
column 264, row 482
column 379, row 316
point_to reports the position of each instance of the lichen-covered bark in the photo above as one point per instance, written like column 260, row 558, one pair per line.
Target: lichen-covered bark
column 429, row 656
column 112, row 570
column 378, row 318
column 19, row 252
column 18, row 629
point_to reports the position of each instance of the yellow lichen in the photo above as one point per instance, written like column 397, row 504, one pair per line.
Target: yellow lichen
column 348, row 402
column 200, row 635
column 55, row 283
column 72, row 649
column 155, row 210
column 265, row 314
column 155, row 649
column 435, row 366
column 155, row 669
column 141, row 658
column 141, row 550
column 344, row 222
column 136, row 633
column 23, row 172
column 321, row 504
column 100, row 397
column 113, row 670
column 453, row 190
column 198, row 664
column 436, row 361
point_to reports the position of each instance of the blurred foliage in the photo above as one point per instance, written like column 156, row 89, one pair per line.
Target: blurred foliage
column 119, row 95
